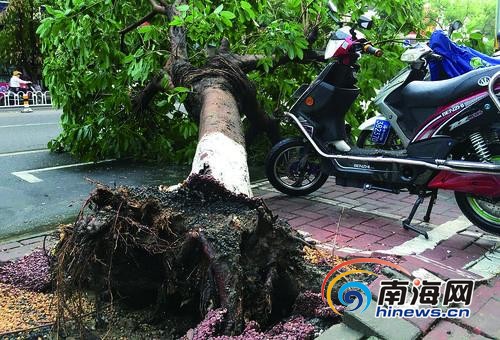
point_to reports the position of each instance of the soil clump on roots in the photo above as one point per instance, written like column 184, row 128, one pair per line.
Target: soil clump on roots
column 183, row 254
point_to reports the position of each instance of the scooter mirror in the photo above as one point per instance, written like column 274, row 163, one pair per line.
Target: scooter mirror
column 455, row 25
column 332, row 7
column 366, row 20
column 333, row 12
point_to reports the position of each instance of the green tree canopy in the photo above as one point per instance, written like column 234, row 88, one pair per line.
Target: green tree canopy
column 94, row 73
column 477, row 16
column 20, row 45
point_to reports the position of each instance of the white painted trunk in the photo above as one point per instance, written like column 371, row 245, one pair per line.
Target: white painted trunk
column 227, row 161
column 221, row 146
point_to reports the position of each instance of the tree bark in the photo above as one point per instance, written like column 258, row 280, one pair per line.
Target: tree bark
column 221, row 147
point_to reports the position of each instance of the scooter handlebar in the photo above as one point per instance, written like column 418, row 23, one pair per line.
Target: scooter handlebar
column 372, row 50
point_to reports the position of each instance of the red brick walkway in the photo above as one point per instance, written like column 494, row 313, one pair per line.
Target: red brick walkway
column 353, row 223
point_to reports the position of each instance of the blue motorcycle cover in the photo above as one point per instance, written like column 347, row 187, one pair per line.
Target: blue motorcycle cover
column 457, row 59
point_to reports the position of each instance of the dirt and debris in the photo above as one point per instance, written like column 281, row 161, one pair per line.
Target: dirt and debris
column 32, row 272
column 21, row 309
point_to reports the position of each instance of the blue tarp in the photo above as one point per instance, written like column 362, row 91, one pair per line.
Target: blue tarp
column 457, row 59
column 3, row 5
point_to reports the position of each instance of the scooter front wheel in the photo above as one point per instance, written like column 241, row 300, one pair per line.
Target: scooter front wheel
column 293, row 168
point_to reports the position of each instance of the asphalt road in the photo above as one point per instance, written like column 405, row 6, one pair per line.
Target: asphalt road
column 39, row 189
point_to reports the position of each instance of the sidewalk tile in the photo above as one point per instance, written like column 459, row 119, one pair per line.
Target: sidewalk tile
column 480, row 297
column 298, row 221
column 458, row 242
column 38, row 239
column 486, row 319
column 475, row 250
column 349, row 232
column 8, row 246
column 16, row 253
column 396, row 240
column 424, row 324
column 438, row 254
column 373, row 230
column 316, row 233
column 445, row 330
column 323, row 222
column 363, row 241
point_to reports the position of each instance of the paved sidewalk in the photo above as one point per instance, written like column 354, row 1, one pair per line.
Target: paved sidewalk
column 353, row 223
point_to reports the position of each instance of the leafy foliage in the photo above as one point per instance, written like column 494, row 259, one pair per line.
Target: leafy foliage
column 478, row 18
column 93, row 80
column 20, row 46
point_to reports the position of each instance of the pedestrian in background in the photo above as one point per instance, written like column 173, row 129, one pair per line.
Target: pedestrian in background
column 16, row 82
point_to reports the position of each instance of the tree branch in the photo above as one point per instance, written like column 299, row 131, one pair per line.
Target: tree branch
column 142, row 100
column 131, row 27
column 160, row 9
column 178, row 46
column 250, row 62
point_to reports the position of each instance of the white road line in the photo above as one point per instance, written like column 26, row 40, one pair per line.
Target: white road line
column 28, row 177
column 22, row 125
column 419, row 244
column 9, row 154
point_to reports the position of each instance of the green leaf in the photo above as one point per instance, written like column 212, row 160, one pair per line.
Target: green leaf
column 228, row 15
column 180, row 89
column 176, row 21
column 183, row 8
column 218, row 9
column 145, row 28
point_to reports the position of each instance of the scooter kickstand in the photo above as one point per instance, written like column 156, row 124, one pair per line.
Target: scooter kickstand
column 407, row 223
column 432, row 201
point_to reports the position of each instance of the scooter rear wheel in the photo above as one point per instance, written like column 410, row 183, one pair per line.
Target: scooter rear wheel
column 482, row 211
column 294, row 170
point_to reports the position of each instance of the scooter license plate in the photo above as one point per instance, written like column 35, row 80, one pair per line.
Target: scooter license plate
column 381, row 131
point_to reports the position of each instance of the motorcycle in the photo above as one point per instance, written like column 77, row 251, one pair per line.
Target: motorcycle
column 447, row 63
column 448, row 128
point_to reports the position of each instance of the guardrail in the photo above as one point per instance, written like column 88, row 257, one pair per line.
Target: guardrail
column 36, row 98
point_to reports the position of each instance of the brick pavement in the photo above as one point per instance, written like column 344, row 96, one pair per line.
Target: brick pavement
column 353, row 223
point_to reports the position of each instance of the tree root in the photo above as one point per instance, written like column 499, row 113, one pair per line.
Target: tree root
column 192, row 250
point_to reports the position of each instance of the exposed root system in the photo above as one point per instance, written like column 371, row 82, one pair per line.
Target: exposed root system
column 184, row 253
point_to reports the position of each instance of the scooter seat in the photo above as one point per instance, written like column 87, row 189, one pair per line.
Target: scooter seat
column 442, row 92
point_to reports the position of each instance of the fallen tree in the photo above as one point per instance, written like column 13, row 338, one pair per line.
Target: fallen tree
column 207, row 244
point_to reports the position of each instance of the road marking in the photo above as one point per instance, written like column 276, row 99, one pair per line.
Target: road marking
column 9, row 154
column 27, row 176
column 419, row 244
column 21, row 125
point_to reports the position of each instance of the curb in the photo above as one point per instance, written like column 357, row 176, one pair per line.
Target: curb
column 388, row 328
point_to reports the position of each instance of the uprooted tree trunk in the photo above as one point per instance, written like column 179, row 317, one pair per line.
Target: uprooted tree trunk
column 207, row 244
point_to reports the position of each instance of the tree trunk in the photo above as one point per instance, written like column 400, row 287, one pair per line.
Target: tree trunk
column 221, row 147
